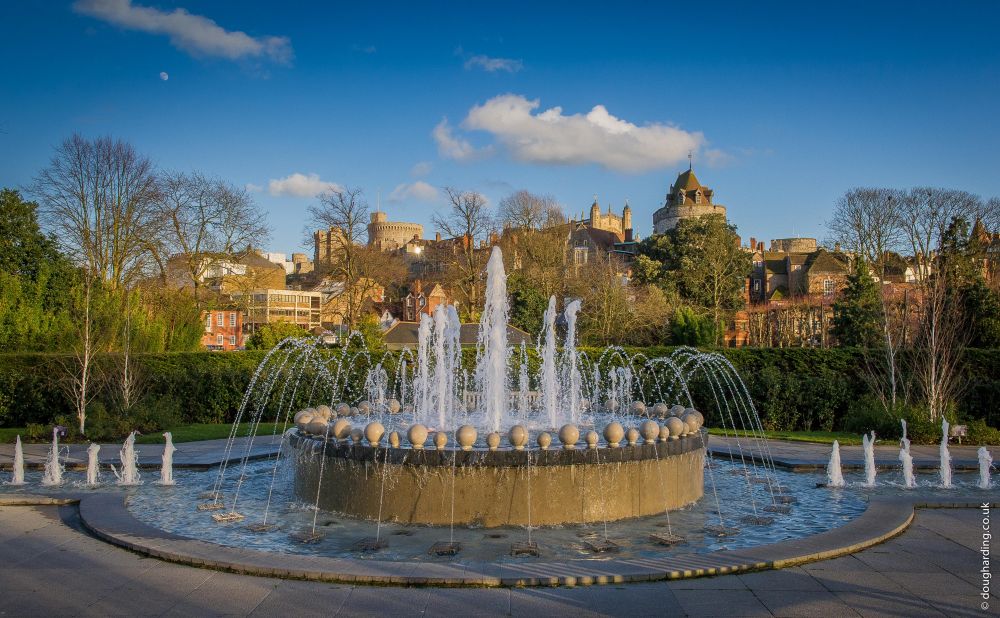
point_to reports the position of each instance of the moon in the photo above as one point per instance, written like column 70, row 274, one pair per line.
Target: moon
column 164, row 76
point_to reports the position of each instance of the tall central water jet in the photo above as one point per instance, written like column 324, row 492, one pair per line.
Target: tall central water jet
column 985, row 462
column 18, row 476
column 572, row 381
column 868, row 442
column 550, row 386
column 491, row 350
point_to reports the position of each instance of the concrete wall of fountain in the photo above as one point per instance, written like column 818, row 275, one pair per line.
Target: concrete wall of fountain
column 499, row 487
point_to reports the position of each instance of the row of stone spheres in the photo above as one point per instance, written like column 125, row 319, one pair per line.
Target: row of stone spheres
column 680, row 422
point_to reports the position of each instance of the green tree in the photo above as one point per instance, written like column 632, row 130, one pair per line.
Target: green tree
column 689, row 328
column 527, row 303
column 701, row 259
column 857, row 315
column 270, row 335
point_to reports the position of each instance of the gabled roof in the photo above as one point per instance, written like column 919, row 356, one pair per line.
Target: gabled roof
column 823, row 261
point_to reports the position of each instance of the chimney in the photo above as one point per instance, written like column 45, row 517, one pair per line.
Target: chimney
column 628, row 235
column 760, row 246
column 437, row 236
column 753, row 243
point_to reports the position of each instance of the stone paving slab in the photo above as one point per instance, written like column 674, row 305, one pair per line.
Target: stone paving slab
column 106, row 516
column 107, row 581
column 806, row 456
column 198, row 455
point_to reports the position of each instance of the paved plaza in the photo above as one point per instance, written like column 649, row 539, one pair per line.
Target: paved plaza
column 49, row 566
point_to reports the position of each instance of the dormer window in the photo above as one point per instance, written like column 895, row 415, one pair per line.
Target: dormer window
column 697, row 197
column 680, row 197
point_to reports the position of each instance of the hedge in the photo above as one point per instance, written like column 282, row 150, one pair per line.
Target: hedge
column 792, row 388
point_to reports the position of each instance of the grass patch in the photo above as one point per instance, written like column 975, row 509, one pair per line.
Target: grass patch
column 181, row 433
column 818, row 437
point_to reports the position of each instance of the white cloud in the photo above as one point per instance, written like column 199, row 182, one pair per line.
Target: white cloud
column 301, row 185
column 194, row 34
column 164, row 75
column 452, row 147
column 418, row 190
column 421, row 169
column 492, row 65
column 551, row 137
column 252, row 188
column 716, row 158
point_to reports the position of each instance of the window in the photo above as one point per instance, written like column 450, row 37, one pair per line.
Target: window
column 208, row 322
column 232, row 340
column 232, row 319
column 219, row 319
column 219, row 339
column 828, row 287
column 697, row 197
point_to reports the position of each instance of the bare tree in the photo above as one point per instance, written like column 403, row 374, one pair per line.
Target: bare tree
column 925, row 217
column 468, row 220
column 78, row 369
column 98, row 198
column 362, row 271
column 206, row 222
column 130, row 381
column 867, row 222
column 525, row 210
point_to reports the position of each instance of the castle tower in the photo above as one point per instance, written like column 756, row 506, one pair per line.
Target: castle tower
column 595, row 212
column 687, row 199
column 627, row 217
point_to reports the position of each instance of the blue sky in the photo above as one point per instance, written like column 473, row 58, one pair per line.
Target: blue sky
column 785, row 105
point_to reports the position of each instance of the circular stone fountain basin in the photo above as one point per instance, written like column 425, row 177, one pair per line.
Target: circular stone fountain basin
column 490, row 488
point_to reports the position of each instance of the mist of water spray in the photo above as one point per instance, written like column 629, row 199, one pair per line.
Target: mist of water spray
column 93, row 466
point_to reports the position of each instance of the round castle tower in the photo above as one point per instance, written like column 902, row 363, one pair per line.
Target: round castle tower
column 686, row 199
column 386, row 235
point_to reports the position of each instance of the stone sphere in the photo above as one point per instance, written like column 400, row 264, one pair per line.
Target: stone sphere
column 701, row 418
column 691, row 421
column 677, row 410
column 374, row 432
column 466, row 437
column 660, row 409
column 664, row 433
column 610, row 404
column 354, row 411
column 341, row 428
column 614, row 433
column 393, row 406
column 544, row 440
column 650, row 431
column 676, row 427
column 632, row 436
column 298, row 415
column 357, row 435
column 394, row 439
column 638, row 408
column 591, row 439
column 569, row 435
column 317, row 427
column 688, row 430
column 364, row 407
column 417, row 435
column 440, row 440
column 342, row 409
column 302, row 419
column 518, row 437
column 324, row 411
column 493, row 440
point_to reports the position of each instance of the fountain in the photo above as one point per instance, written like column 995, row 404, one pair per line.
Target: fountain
column 834, row 475
column 650, row 461
column 868, row 442
column 53, row 469
column 18, row 476
column 985, row 462
column 945, row 456
column 909, row 481
column 129, row 474
column 93, row 472
column 167, row 467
